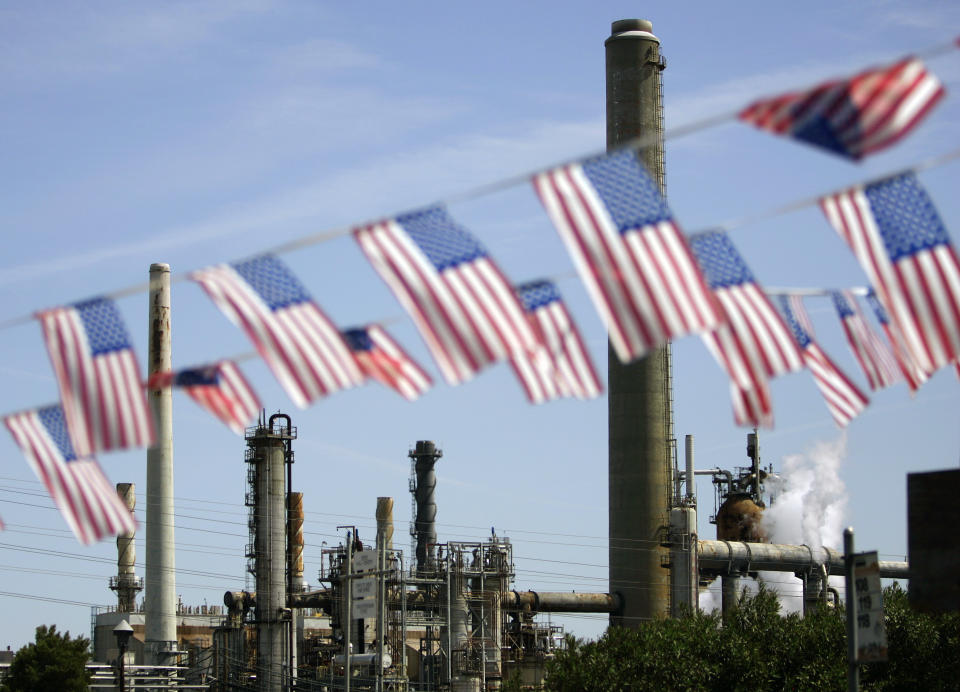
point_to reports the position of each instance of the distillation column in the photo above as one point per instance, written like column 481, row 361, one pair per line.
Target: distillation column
column 268, row 456
column 640, row 416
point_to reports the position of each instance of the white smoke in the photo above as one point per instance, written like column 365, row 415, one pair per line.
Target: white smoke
column 809, row 507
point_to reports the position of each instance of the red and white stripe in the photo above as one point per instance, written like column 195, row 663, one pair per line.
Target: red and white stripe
column 302, row 347
column 752, row 346
column 391, row 366
column 800, row 313
column 102, row 396
column 844, row 399
column 562, row 367
column 877, row 362
column 232, row 399
column 468, row 315
column 920, row 293
column 81, row 491
column 645, row 283
column 911, row 372
column 752, row 407
column 869, row 112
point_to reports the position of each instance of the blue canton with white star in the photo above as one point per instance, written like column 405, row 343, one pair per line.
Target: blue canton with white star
column 196, row 377
column 906, row 218
column 53, row 420
column 719, row 260
column 270, row 278
column 629, row 194
column 878, row 309
column 103, row 324
column 843, row 307
column 445, row 242
column 801, row 336
column 536, row 294
column 357, row 339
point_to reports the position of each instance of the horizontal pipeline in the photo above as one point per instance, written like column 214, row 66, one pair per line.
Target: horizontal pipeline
column 737, row 556
column 536, row 601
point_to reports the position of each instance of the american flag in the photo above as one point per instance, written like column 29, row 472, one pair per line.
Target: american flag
column 97, row 373
column 901, row 243
column 877, row 362
column 301, row 346
column 219, row 388
column 630, row 253
column 77, row 485
column 384, row 360
column 844, row 399
column 562, row 367
column 754, row 344
column 908, row 366
column 752, row 406
column 464, row 307
column 856, row 116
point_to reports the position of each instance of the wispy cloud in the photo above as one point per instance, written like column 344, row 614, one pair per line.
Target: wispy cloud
column 400, row 181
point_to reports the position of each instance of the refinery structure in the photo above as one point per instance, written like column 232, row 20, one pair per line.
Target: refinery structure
column 445, row 615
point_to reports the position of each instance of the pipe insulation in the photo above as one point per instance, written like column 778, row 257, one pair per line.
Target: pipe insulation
column 737, row 556
column 560, row 602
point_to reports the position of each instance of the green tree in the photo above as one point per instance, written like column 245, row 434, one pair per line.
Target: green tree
column 55, row 662
column 760, row 649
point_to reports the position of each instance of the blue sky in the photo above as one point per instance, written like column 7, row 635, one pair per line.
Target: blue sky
column 195, row 134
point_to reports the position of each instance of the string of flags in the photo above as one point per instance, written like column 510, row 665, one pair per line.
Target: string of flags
column 648, row 280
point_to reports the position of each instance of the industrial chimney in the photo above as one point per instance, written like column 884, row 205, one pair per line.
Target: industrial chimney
column 425, row 457
column 126, row 583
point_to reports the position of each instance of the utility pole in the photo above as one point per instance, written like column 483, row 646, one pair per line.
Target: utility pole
column 640, row 400
column 853, row 668
column 160, row 593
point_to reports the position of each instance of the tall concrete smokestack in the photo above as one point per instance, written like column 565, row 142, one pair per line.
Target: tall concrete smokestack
column 425, row 457
column 640, row 406
column 161, row 592
column 126, row 583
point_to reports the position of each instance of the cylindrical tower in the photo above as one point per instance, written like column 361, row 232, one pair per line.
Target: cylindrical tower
column 385, row 522
column 640, row 423
column 126, row 583
column 268, row 444
column 295, row 541
column 425, row 457
column 160, row 565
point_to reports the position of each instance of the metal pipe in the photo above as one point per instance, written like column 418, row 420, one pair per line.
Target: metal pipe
column 691, row 474
column 560, row 602
column 639, row 401
column 160, row 598
column 738, row 556
column 729, row 592
column 348, row 610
